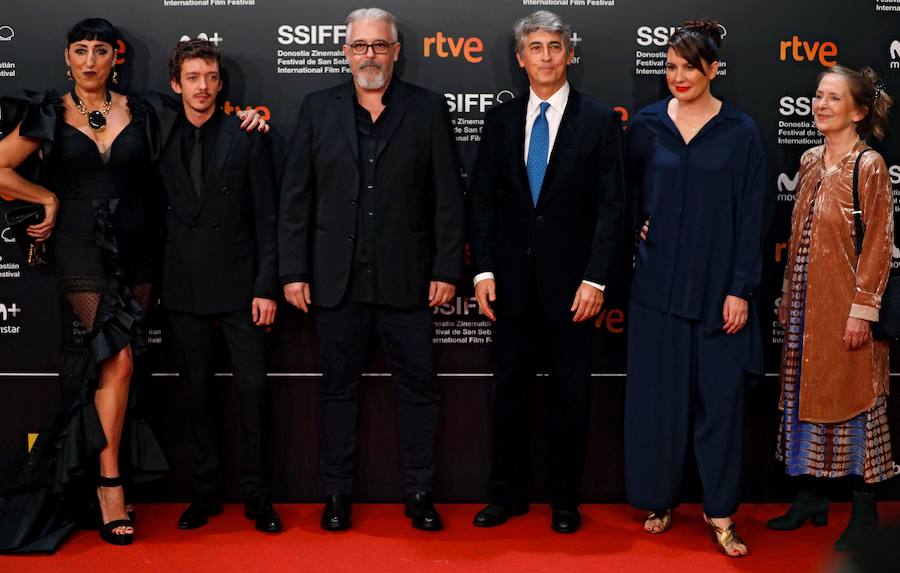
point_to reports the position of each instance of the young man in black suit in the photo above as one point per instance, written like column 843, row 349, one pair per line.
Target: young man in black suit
column 547, row 200
column 371, row 231
column 219, row 268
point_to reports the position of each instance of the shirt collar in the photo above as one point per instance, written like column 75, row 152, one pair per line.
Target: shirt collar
column 661, row 107
column 557, row 101
column 208, row 125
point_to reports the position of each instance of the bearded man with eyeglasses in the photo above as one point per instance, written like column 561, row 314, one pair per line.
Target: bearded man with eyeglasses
column 371, row 234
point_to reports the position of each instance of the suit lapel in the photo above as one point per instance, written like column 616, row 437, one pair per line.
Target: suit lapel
column 227, row 131
column 567, row 129
column 395, row 112
column 343, row 103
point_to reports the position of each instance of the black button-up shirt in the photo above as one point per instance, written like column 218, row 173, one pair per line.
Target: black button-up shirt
column 209, row 132
column 363, row 284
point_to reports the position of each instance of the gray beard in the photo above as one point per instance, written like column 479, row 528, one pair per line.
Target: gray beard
column 368, row 81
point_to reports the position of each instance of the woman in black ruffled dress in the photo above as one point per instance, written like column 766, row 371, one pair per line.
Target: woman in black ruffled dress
column 96, row 180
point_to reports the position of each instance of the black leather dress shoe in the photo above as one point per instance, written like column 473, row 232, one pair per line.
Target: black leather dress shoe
column 420, row 509
column 198, row 513
column 495, row 514
column 261, row 511
column 565, row 520
column 336, row 515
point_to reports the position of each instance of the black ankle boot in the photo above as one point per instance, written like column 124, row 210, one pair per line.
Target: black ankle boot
column 863, row 522
column 808, row 504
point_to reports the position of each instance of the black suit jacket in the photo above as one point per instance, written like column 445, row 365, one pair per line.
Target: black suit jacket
column 419, row 198
column 575, row 229
column 221, row 247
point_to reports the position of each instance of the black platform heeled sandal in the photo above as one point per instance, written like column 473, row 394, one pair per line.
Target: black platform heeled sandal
column 108, row 530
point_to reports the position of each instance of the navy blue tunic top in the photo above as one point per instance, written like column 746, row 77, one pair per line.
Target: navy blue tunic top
column 705, row 201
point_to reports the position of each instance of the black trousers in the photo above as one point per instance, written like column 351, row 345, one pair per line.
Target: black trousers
column 245, row 341
column 406, row 335
column 683, row 386
column 566, row 348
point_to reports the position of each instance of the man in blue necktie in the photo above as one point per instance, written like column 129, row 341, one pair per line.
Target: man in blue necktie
column 547, row 200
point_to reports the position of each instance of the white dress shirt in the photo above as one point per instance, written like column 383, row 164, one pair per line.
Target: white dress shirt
column 554, row 115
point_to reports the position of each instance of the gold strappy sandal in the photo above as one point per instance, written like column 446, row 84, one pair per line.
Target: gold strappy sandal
column 665, row 521
column 725, row 537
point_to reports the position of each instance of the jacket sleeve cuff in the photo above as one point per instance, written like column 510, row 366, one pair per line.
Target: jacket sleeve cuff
column 481, row 276
column 864, row 312
column 295, row 278
column 597, row 286
column 870, row 299
column 447, row 280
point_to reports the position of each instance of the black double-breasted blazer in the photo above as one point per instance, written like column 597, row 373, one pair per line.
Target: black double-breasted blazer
column 220, row 249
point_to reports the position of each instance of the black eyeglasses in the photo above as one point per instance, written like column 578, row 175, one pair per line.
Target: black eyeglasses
column 379, row 47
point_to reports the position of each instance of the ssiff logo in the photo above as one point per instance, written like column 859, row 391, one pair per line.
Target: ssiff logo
column 789, row 105
column 6, row 33
column 659, row 35
column 804, row 51
column 471, row 102
column 442, row 46
column 895, row 55
column 316, row 34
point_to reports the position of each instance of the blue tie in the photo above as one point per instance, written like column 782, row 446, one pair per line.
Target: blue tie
column 538, row 147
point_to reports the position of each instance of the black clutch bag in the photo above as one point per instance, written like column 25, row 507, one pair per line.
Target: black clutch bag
column 18, row 216
column 888, row 325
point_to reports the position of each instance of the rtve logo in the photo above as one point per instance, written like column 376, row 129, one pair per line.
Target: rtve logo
column 263, row 111
column 895, row 55
column 659, row 35
column 471, row 49
column 120, row 52
column 803, row 51
column 612, row 320
column 316, row 34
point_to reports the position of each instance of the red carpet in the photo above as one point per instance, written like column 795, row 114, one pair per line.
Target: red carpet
column 611, row 539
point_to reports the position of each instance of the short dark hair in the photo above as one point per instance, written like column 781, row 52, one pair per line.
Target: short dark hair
column 195, row 48
column 697, row 41
column 94, row 29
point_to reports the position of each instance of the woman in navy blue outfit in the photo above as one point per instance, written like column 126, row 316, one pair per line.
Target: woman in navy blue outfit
column 696, row 170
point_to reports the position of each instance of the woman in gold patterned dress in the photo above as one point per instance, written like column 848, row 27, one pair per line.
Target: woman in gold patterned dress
column 834, row 375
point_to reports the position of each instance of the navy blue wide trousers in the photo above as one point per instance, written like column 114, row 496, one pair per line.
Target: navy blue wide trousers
column 683, row 387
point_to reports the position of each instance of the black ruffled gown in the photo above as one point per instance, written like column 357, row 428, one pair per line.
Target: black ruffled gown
column 102, row 256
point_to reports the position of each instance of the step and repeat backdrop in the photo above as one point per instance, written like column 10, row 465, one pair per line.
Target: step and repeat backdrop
column 278, row 50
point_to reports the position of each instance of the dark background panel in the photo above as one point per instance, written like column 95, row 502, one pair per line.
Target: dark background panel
column 615, row 45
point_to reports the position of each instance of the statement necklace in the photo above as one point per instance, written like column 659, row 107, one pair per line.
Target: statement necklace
column 97, row 118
